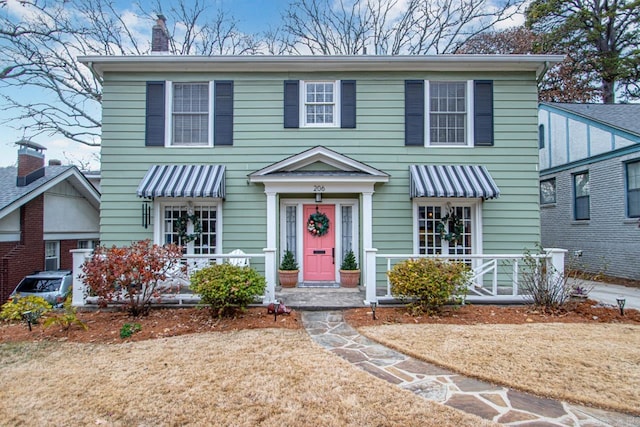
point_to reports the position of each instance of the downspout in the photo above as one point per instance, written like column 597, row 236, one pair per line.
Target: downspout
column 542, row 71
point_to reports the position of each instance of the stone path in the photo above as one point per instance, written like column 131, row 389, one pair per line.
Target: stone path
column 486, row 400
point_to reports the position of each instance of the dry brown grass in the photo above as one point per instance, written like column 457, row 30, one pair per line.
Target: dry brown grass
column 594, row 364
column 242, row 378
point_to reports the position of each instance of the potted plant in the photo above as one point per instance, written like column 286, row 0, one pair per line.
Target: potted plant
column 288, row 271
column 349, row 273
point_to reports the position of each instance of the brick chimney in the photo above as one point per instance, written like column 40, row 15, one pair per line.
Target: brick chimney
column 30, row 162
column 160, row 36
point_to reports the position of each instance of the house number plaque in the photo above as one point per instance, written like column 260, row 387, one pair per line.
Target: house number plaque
column 318, row 188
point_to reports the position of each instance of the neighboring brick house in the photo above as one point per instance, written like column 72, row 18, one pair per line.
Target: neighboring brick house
column 590, row 184
column 45, row 211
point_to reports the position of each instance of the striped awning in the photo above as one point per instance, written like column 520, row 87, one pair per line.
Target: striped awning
column 183, row 181
column 452, row 181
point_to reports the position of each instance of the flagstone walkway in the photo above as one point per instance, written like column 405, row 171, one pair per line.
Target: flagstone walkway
column 496, row 403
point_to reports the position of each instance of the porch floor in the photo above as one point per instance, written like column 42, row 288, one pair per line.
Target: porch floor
column 321, row 298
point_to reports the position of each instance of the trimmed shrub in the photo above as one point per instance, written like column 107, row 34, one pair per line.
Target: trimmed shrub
column 14, row 308
column 430, row 283
column 226, row 288
column 349, row 262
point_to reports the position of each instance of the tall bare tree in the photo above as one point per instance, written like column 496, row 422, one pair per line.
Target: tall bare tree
column 390, row 27
column 46, row 90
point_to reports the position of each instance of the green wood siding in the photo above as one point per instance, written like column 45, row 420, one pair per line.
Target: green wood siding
column 511, row 222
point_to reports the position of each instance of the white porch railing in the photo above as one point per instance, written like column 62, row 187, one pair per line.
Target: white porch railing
column 494, row 277
column 178, row 278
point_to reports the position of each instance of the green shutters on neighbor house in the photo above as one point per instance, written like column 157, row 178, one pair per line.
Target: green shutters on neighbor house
column 222, row 116
column 415, row 121
column 347, row 104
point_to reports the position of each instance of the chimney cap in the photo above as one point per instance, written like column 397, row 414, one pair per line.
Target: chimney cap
column 30, row 144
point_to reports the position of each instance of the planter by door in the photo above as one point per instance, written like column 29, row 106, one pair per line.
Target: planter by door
column 288, row 278
column 349, row 278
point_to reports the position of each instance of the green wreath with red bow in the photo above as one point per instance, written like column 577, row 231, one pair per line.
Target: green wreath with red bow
column 318, row 224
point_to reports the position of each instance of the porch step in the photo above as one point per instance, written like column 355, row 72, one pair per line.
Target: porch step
column 324, row 285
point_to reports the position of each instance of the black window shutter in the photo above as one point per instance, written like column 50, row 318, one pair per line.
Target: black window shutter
column 223, row 113
column 483, row 112
column 291, row 103
column 154, row 125
column 348, row 104
column 414, row 112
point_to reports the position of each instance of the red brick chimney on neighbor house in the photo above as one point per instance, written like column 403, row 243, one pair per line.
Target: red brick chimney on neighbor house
column 30, row 162
column 160, row 36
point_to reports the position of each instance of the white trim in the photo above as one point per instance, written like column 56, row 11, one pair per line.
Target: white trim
column 300, row 227
column 55, row 257
column 303, row 103
column 469, row 120
column 9, row 236
column 318, row 63
column 318, row 154
column 168, row 114
column 158, row 216
column 476, row 218
column 71, row 236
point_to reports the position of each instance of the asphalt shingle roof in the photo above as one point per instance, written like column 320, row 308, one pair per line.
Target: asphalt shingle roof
column 10, row 192
column 621, row 116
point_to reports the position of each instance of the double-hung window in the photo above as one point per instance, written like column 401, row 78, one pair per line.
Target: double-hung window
column 320, row 104
column 633, row 189
column 52, row 255
column 581, row 195
column 190, row 108
column 448, row 113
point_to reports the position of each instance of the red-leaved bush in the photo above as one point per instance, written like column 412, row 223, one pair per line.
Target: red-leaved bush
column 132, row 275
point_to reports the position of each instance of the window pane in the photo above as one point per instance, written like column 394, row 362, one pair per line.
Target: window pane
column 581, row 182
column 347, row 230
column 319, row 102
column 582, row 207
column 291, row 229
column 633, row 189
column 548, row 191
column 633, row 176
column 634, row 203
column 190, row 113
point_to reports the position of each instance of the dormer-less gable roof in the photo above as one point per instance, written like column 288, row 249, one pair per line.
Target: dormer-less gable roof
column 319, row 63
column 625, row 117
column 12, row 196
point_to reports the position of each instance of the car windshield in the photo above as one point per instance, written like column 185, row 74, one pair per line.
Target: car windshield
column 32, row 284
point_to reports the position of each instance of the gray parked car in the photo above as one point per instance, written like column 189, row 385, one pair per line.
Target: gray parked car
column 54, row 286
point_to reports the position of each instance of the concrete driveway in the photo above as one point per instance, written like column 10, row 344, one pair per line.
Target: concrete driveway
column 608, row 293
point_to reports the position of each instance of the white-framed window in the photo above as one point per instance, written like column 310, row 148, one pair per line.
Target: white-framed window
column 88, row 244
column 445, row 228
column 548, row 191
column 52, row 255
column 450, row 113
column 189, row 107
column 320, row 101
column 177, row 226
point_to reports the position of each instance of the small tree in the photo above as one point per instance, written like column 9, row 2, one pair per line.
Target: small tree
column 227, row 288
column 288, row 262
column 133, row 275
column 430, row 282
column 349, row 262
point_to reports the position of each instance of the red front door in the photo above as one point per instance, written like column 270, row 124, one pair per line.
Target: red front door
column 319, row 251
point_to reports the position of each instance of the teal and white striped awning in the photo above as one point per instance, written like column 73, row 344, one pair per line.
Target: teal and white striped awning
column 183, row 181
column 472, row 181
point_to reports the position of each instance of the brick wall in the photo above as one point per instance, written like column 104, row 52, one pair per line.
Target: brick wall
column 66, row 260
column 17, row 259
column 609, row 241
column 28, row 163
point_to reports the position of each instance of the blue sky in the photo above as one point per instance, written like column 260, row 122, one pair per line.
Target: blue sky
column 252, row 15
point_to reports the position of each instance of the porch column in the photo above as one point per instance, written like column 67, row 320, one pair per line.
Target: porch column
column 555, row 266
column 270, row 250
column 368, row 264
column 79, row 289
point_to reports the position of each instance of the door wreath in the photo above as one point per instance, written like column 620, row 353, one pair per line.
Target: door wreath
column 181, row 228
column 318, row 224
column 451, row 228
